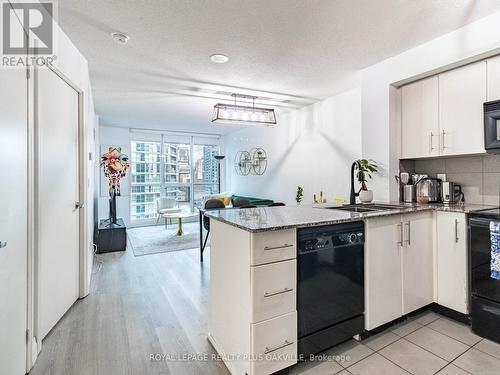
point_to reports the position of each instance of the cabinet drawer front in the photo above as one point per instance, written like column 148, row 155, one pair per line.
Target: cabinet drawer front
column 273, row 289
column 274, row 344
column 273, row 246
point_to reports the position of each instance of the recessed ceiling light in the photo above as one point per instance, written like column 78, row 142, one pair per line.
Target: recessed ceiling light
column 219, row 58
column 121, row 38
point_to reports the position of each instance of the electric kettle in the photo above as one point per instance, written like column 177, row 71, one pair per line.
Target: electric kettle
column 429, row 190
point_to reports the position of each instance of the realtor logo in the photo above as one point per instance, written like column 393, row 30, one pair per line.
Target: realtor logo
column 27, row 28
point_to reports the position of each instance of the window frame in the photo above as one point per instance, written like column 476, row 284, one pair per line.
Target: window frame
column 166, row 138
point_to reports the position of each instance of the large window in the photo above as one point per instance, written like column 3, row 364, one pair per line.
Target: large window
column 177, row 161
column 146, row 179
column 185, row 171
column 205, row 171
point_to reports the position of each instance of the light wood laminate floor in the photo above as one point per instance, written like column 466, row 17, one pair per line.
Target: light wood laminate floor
column 138, row 306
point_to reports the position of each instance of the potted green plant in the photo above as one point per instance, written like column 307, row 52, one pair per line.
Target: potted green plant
column 365, row 168
column 300, row 194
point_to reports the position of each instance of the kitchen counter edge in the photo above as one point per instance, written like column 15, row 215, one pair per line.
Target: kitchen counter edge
column 249, row 219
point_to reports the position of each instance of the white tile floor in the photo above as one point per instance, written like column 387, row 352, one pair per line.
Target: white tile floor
column 425, row 344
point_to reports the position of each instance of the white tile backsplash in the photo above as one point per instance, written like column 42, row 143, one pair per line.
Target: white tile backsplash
column 470, row 164
column 430, row 166
column 491, row 164
column 472, row 185
column 479, row 176
column 491, row 184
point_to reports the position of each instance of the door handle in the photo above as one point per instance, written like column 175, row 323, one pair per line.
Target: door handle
column 273, row 349
column 400, row 242
column 3, row 244
column 277, row 247
column 270, row 294
column 408, row 225
column 456, row 231
column 79, row 205
column 431, row 146
column 443, row 133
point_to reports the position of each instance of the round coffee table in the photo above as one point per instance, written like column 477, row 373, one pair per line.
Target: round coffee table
column 179, row 216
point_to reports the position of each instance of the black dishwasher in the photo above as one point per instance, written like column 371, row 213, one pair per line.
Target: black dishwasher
column 330, row 285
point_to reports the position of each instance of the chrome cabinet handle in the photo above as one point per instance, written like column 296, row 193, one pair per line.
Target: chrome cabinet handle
column 3, row 244
column 408, row 225
column 443, row 133
column 277, row 247
column 270, row 294
column 273, row 349
column 431, row 146
column 79, row 205
column 400, row 226
column 456, row 231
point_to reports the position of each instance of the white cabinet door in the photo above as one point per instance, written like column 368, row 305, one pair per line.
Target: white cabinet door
column 493, row 74
column 420, row 119
column 452, row 261
column 417, row 260
column 462, row 93
column 382, row 270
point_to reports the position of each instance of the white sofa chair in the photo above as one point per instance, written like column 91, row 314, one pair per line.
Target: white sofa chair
column 165, row 205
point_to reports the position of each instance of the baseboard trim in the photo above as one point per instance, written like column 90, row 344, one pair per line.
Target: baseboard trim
column 434, row 307
column 452, row 314
column 221, row 353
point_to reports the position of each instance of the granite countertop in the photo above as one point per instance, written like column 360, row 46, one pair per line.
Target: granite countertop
column 263, row 219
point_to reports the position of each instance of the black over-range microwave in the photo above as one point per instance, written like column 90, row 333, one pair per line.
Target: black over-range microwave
column 492, row 127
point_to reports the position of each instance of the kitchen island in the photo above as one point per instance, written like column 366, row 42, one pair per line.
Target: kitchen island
column 253, row 257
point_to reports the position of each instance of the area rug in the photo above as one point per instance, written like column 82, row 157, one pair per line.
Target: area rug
column 157, row 239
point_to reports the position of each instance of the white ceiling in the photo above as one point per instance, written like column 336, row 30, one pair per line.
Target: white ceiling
column 289, row 52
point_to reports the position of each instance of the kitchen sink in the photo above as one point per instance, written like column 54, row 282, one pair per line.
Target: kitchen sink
column 371, row 207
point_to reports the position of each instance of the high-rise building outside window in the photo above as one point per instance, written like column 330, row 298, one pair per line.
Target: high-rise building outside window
column 185, row 172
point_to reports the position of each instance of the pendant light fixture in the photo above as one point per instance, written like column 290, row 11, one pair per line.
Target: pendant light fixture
column 243, row 114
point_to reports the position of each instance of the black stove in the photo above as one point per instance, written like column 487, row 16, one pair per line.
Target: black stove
column 493, row 213
column 484, row 286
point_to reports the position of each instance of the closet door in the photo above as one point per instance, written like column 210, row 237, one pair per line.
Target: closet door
column 58, row 191
column 13, row 220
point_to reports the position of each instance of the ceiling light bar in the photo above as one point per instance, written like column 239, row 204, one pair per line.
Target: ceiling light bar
column 243, row 114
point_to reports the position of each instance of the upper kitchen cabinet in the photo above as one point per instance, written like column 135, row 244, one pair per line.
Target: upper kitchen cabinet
column 462, row 93
column 493, row 78
column 420, row 119
column 443, row 114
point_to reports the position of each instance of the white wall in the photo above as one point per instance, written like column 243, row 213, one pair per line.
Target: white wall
column 380, row 100
column 73, row 67
column 312, row 147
